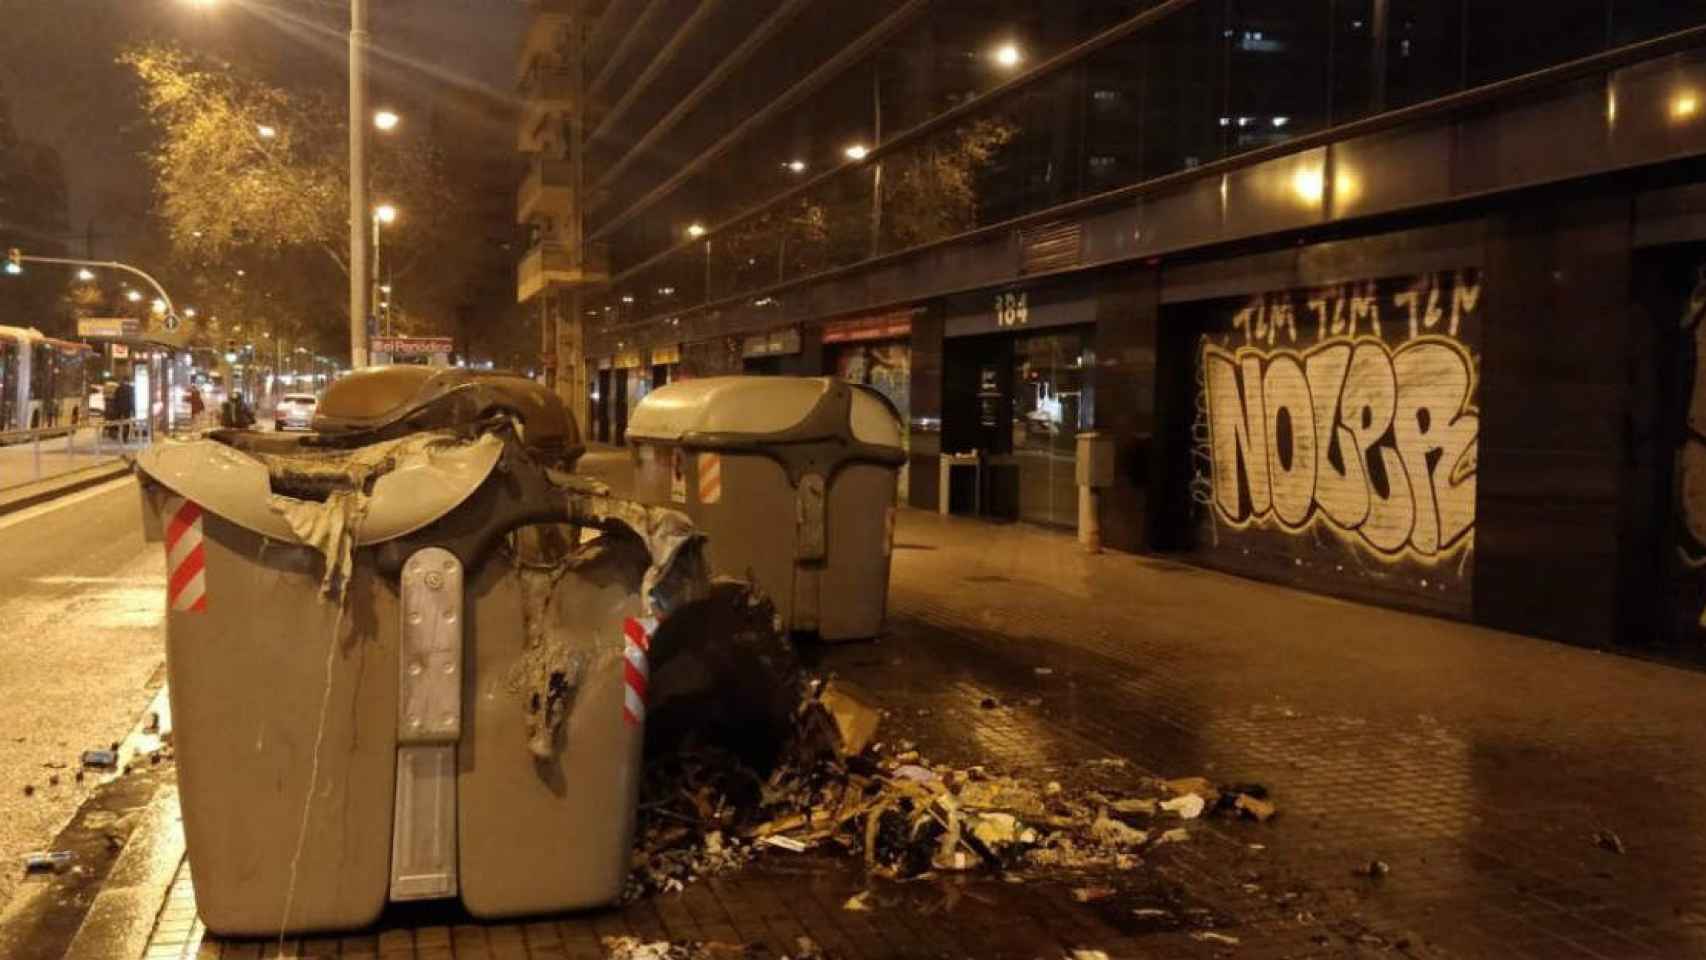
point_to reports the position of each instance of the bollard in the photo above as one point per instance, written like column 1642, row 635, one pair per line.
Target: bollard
column 1095, row 472
column 1089, row 520
column 35, row 447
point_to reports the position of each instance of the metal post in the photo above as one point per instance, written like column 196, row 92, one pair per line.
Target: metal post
column 358, row 276
column 374, row 291
column 35, row 442
column 877, row 168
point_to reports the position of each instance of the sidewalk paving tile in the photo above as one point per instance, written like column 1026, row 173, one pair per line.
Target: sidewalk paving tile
column 1478, row 765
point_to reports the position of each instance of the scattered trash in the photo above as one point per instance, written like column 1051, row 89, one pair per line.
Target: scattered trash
column 855, row 719
column 153, row 723
column 1254, row 808
column 1608, row 840
column 101, row 759
column 1210, row 936
column 48, row 862
column 834, row 788
column 115, row 843
column 1374, row 869
column 1188, row 807
column 633, row 948
column 1116, row 833
column 916, row 773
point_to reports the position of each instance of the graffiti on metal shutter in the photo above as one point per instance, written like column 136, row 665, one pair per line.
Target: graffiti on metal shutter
column 1339, row 425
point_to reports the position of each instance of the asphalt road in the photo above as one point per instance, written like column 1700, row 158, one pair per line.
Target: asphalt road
column 82, row 600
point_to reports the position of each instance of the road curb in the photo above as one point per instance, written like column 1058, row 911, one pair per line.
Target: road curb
column 127, row 843
column 37, row 492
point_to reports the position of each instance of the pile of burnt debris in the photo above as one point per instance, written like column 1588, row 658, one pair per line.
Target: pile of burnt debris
column 835, row 789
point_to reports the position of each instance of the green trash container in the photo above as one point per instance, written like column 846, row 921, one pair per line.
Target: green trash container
column 793, row 481
column 454, row 724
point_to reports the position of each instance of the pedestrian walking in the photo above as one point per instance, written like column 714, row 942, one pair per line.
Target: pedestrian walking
column 197, row 405
column 121, row 409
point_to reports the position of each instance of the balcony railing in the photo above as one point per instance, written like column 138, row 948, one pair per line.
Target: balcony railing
column 554, row 262
column 548, row 189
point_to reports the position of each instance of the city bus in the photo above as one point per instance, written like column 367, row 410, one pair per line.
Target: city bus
column 43, row 381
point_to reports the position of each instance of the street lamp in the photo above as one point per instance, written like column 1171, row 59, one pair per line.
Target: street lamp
column 386, row 120
column 795, row 166
column 383, row 215
column 266, row 131
column 695, row 230
column 133, row 296
column 1007, row 55
column 85, row 275
column 857, row 151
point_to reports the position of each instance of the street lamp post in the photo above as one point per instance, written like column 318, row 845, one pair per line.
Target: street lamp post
column 358, row 272
column 382, row 215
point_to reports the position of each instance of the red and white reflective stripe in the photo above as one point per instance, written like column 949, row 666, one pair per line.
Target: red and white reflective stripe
column 186, row 558
column 636, row 640
column 710, row 477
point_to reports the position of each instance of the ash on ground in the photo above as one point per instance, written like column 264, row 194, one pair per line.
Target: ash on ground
column 704, row 811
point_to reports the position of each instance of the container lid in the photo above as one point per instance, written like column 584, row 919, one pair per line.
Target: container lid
column 422, row 478
column 757, row 407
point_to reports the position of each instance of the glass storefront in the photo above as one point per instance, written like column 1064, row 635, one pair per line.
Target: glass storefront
column 1204, row 82
column 884, row 366
column 1052, row 402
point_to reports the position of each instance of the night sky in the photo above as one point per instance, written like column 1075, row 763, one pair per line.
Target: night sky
column 57, row 69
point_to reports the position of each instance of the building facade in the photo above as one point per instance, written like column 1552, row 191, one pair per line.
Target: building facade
column 1389, row 300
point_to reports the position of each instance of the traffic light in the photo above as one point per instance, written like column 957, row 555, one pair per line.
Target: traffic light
column 14, row 261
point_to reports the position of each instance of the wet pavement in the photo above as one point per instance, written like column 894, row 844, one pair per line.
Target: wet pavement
column 1521, row 798
column 81, row 607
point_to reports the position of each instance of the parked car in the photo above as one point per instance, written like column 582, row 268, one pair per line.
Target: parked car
column 295, row 411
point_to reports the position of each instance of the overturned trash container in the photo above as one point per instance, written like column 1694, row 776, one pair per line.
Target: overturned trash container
column 792, row 479
column 398, row 673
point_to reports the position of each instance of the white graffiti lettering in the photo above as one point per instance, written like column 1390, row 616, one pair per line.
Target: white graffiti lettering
column 1371, row 440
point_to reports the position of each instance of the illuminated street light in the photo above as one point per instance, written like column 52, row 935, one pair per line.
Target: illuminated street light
column 386, row 120
column 795, row 166
column 85, row 274
column 857, row 151
column 189, row 312
column 133, row 296
column 385, row 213
column 159, row 305
column 266, row 132
column 695, row 230
column 1007, row 55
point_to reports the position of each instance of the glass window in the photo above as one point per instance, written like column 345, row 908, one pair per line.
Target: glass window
column 1052, row 401
column 1183, row 61
column 1636, row 20
column 1276, row 55
column 1506, row 39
